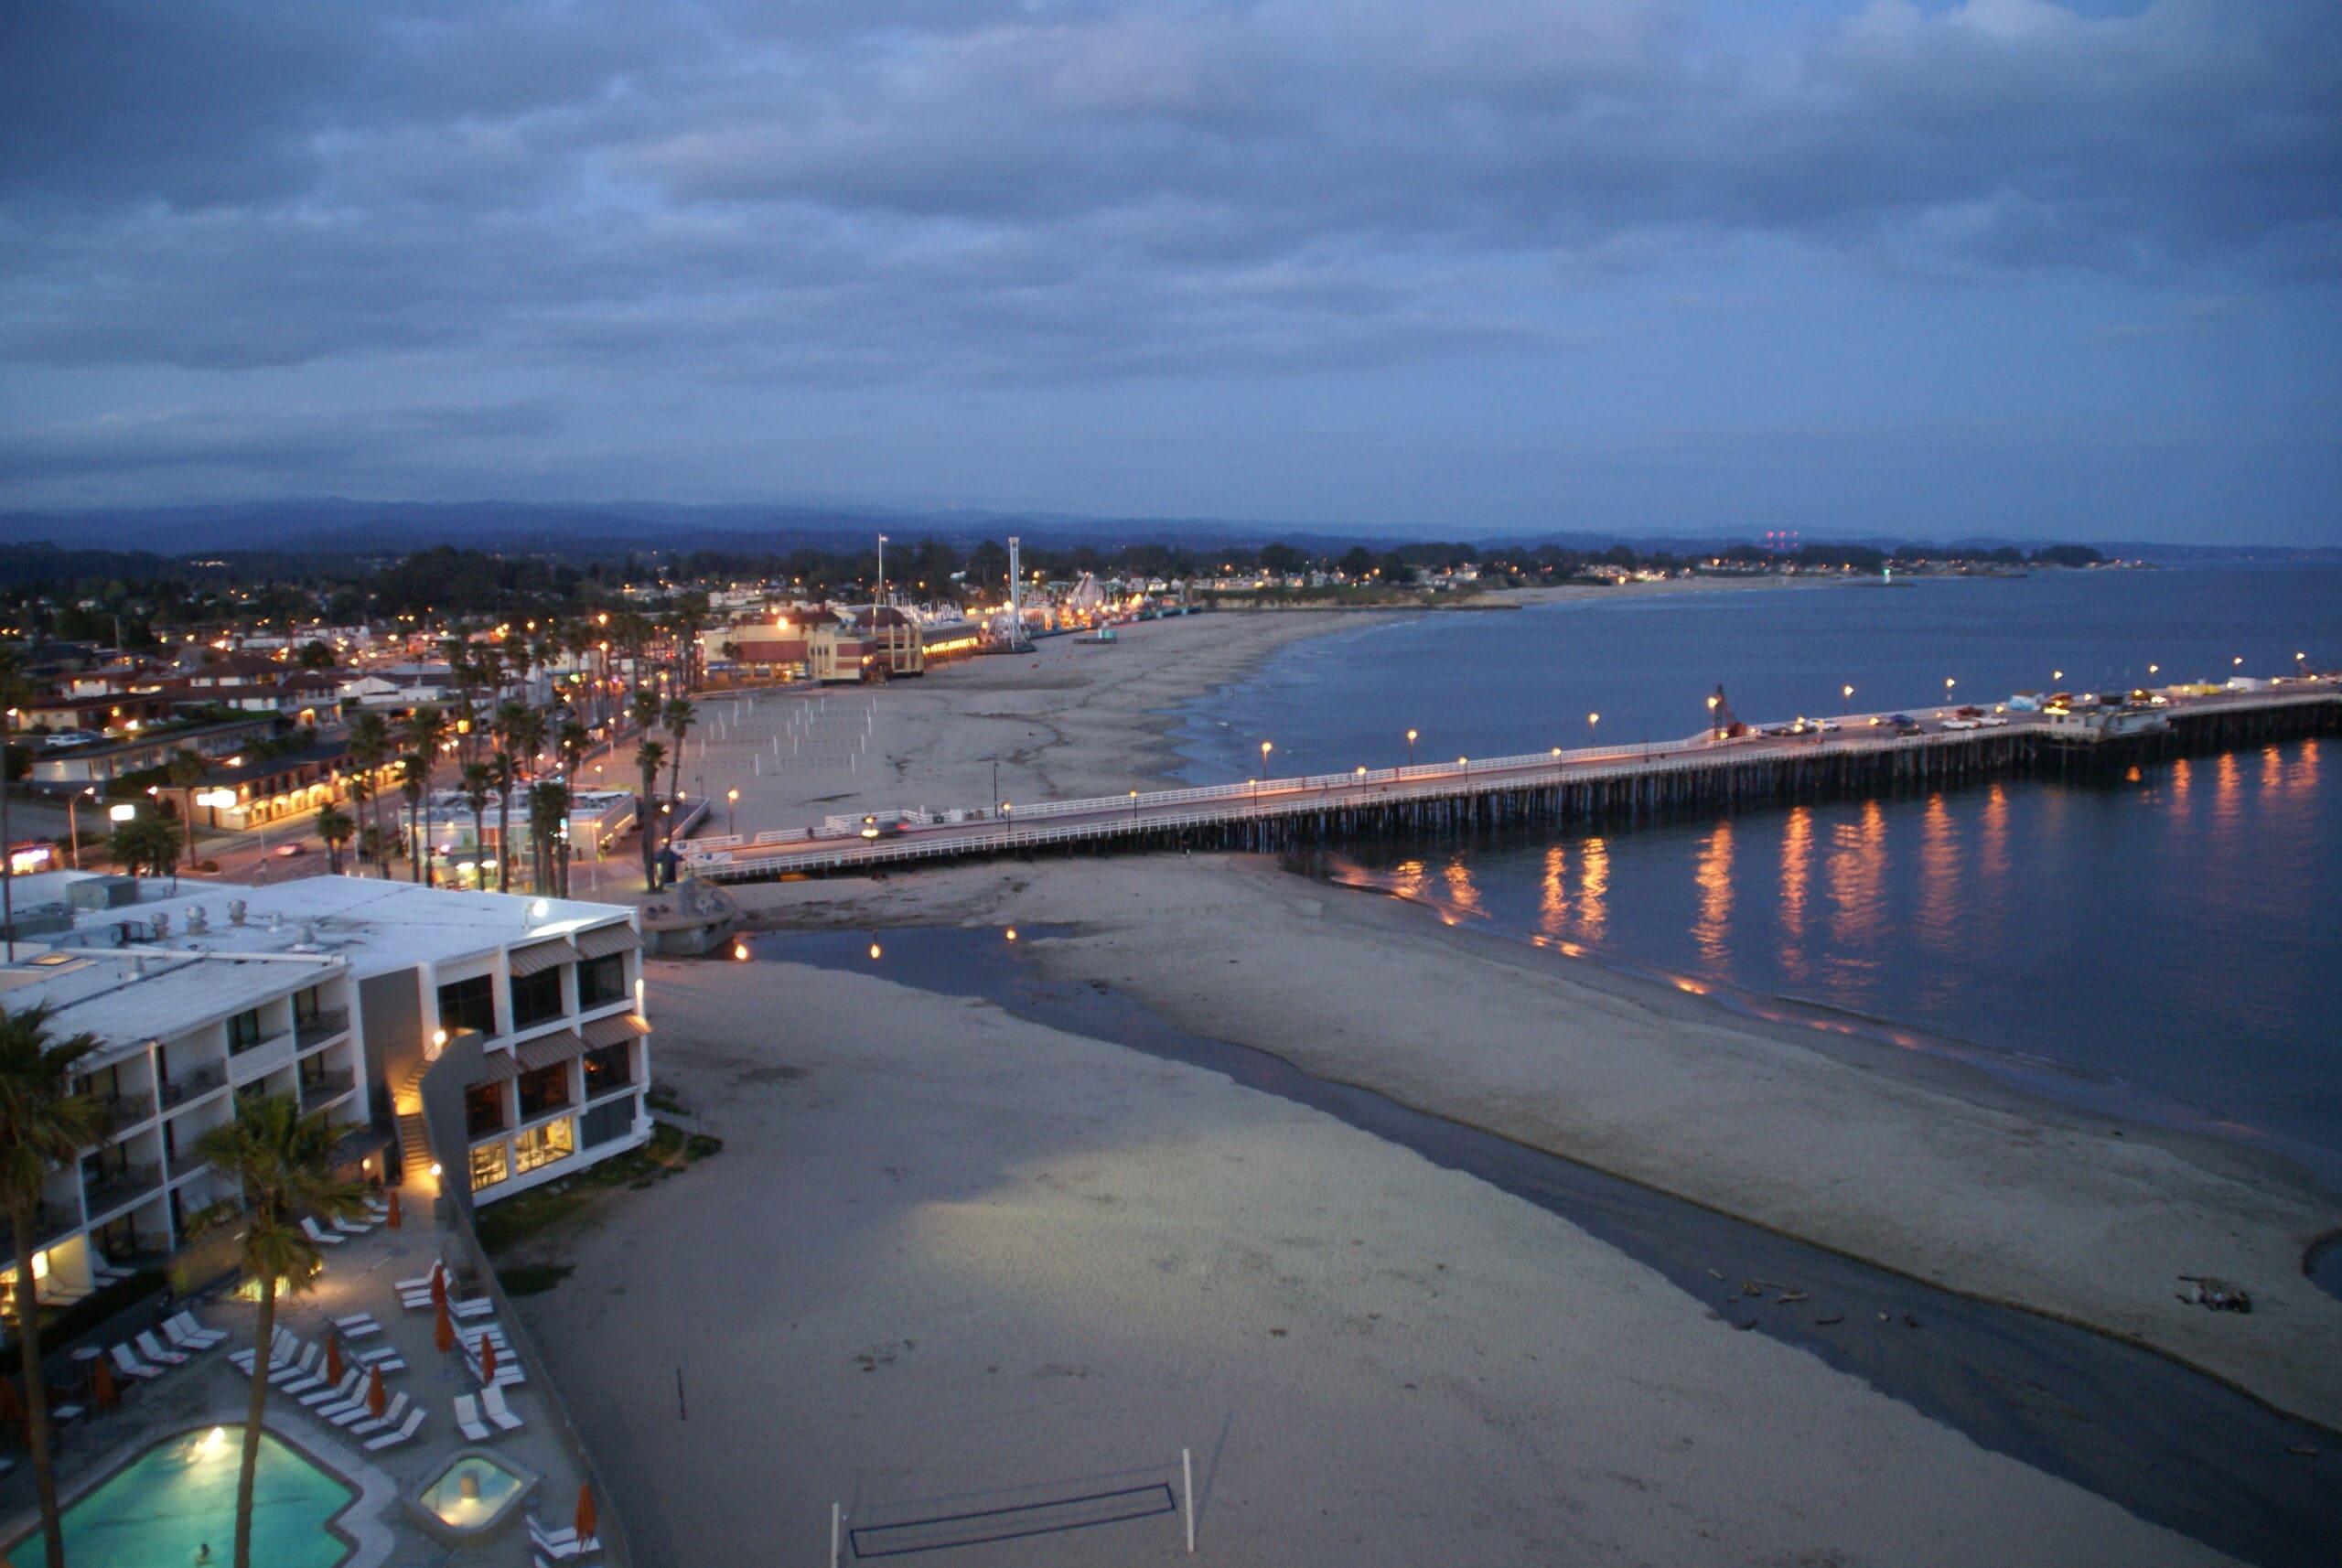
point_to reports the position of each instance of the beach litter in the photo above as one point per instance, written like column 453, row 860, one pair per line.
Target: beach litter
column 2218, row 1294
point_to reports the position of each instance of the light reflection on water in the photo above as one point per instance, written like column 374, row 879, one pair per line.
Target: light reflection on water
column 2175, row 939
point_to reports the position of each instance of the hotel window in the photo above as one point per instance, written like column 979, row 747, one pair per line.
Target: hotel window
column 542, row 1145
column 602, row 982
column 488, row 1166
column 537, row 998
column 468, row 1004
column 604, row 1123
column 304, row 1007
column 611, row 1068
column 243, row 1032
column 546, row 1089
column 483, row 1109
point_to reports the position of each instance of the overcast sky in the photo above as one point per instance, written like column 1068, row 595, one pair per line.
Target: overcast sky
column 1463, row 266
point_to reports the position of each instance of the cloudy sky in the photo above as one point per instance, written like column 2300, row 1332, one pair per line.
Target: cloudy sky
column 1471, row 265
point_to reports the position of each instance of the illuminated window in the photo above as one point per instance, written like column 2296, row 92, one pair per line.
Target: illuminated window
column 489, row 1166
column 542, row 1145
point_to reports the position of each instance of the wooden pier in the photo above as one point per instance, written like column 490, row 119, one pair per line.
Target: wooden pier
column 1559, row 788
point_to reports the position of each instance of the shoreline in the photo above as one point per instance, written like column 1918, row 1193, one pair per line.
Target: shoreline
column 1921, row 1166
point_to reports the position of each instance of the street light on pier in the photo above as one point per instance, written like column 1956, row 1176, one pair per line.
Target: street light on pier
column 1266, row 747
column 1591, row 720
column 1410, row 749
column 732, row 812
column 1845, row 701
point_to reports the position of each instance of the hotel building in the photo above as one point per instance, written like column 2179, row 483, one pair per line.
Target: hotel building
column 341, row 992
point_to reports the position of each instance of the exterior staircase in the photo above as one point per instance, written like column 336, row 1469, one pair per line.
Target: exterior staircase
column 406, row 1102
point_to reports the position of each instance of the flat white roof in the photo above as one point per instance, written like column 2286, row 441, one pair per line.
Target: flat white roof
column 127, row 999
column 376, row 926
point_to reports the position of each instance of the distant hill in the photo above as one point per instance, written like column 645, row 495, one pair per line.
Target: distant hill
column 335, row 526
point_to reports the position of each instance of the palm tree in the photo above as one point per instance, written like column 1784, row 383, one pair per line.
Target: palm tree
column 361, row 795
column 151, row 842
column 337, row 828
column 413, row 771
column 43, row 1126
column 370, row 751
column 645, row 708
column 648, row 757
column 520, row 735
column 575, row 740
column 283, row 1162
column 186, row 770
column 480, row 780
column 548, row 809
column 679, row 715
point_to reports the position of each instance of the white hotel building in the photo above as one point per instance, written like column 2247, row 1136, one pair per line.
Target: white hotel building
column 339, row 991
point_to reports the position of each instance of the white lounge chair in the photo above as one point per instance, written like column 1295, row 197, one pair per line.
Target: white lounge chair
column 126, row 1363
column 478, row 1307
column 561, row 1545
column 408, row 1287
column 189, row 1335
column 152, row 1348
column 352, row 1227
column 397, row 1435
column 302, row 1374
column 389, row 1418
column 492, row 1405
column 467, row 1420
column 323, row 1238
column 367, row 1357
column 340, row 1393
column 349, row 1321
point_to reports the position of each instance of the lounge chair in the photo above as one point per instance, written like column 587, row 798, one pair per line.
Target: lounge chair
column 478, row 1307
column 352, row 1382
column 302, row 1374
column 468, row 1421
column 123, row 1361
column 153, row 1349
column 104, row 1271
column 189, row 1335
column 322, row 1238
column 492, row 1405
column 396, row 1436
column 561, row 1545
column 367, row 1357
column 389, row 1418
column 353, row 1320
column 408, row 1287
column 353, row 1227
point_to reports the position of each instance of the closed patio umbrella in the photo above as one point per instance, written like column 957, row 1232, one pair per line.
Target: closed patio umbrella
column 439, row 1285
column 487, row 1360
column 101, row 1385
column 376, row 1400
column 392, row 1219
column 443, row 1332
column 586, row 1523
column 334, row 1368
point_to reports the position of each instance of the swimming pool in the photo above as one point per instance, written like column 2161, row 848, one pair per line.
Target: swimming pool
column 162, row 1507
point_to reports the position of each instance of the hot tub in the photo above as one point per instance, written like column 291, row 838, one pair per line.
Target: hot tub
column 473, row 1496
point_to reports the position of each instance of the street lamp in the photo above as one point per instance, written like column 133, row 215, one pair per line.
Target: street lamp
column 1266, row 747
column 1845, row 701
column 732, row 812
column 1410, row 749
column 1948, row 684
column 1591, row 720
column 73, row 822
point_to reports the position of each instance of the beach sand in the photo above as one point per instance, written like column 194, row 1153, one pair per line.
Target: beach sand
column 949, row 1260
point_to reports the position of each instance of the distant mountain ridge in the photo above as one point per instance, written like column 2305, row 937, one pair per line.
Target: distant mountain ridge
column 342, row 526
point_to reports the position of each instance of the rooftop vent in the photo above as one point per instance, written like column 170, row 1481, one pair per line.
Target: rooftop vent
column 235, row 911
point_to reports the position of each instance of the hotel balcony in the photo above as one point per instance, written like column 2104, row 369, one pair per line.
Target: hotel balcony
column 325, row 1026
column 323, row 1087
column 199, row 1081
column 126, row 1110
column 120, row 1187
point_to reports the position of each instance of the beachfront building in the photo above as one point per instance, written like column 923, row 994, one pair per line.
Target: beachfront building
column 180, row 1034
column 344, row 991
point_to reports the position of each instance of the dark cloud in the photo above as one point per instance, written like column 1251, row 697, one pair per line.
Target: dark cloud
column 854, row 192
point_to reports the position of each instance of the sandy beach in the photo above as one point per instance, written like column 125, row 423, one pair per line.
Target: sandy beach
column 951, row 1259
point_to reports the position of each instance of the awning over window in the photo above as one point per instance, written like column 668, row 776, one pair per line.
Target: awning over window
column 614, row 1031
column 494, row 1067
column 604, row 940
column 548, row 1050
column 542, row 957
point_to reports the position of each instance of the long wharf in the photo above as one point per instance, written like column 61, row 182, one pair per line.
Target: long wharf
column 1591, row 784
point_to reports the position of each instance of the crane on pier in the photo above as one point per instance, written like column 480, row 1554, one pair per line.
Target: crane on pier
column 1721, row 719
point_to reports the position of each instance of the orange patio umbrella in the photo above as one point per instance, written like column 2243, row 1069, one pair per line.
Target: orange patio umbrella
column 101, row 1385
column 377, row 1401
column 439, row 1285
column 334, row 1368
column 487, row 1360
column 586, row 1523
column 443, row 1332
column 392, row 1219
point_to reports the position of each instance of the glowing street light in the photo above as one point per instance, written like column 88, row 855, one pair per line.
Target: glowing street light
column 1410, row 749
column 1591, row 720
column 1266, row 747
column 1845, row 701
column 732, row 812
column 122, row 813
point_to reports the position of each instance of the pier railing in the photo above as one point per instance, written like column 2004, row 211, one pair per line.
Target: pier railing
column 842, row 844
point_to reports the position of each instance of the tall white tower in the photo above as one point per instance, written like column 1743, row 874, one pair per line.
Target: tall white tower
column 1016, row 595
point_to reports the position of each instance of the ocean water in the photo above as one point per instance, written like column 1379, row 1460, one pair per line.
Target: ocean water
column 2168, row 945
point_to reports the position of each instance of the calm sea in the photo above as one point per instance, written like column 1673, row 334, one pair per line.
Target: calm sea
column 2169, row 945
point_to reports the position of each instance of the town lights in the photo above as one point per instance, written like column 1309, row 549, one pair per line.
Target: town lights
column 122, row 813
